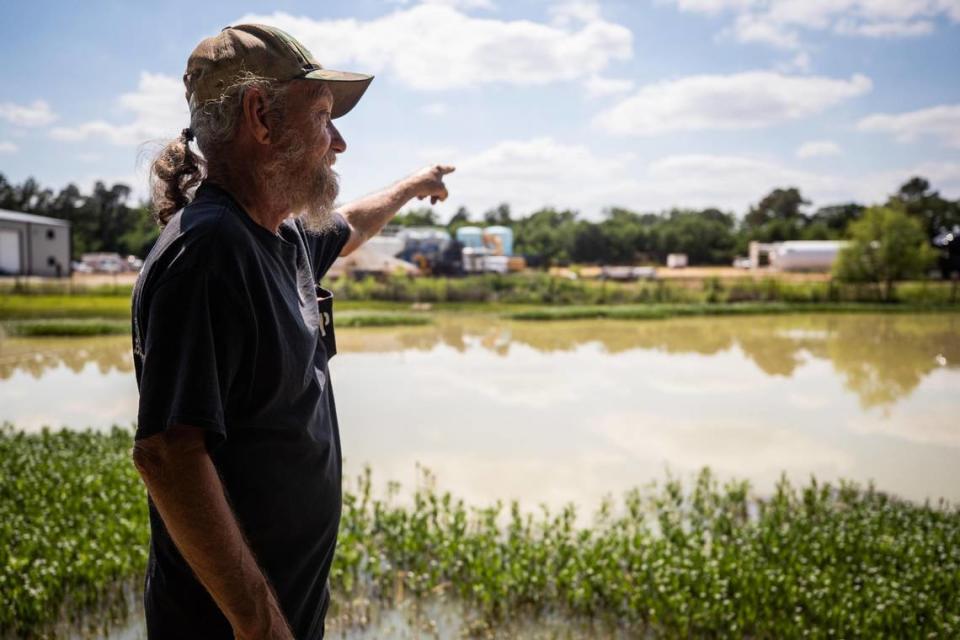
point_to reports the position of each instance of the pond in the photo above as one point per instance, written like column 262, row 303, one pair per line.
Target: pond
column 565, row 412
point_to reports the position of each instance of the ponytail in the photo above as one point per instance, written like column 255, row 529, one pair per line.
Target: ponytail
column 175, row 172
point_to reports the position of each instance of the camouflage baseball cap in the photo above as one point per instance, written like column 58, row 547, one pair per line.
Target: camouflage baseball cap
column 267, row 52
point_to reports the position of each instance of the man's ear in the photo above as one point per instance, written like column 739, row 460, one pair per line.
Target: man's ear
column 254, row 106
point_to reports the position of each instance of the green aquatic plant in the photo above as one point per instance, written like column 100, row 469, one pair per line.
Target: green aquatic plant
column 66, row 327
column 707, row 560
column 664, row 311
column 78, row 327
column 73, row 526
column 376, row 319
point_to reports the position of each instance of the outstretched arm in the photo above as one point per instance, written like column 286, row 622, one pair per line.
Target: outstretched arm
column 369, row 214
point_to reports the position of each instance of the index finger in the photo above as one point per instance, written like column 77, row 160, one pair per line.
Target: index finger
column 444, row 169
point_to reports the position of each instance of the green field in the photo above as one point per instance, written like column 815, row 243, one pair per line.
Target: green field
column 665, row 311
column 401, row 301
column 95, row 326
column 675, row 561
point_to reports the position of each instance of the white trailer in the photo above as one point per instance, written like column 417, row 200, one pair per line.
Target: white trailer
column 806, row 255
column 677, row 261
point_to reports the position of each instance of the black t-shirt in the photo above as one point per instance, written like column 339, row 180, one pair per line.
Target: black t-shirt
column 228, row 336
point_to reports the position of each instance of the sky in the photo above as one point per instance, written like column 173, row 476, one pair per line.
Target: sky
column 643, row 104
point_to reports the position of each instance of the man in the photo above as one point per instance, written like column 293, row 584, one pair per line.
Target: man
column 237, row 440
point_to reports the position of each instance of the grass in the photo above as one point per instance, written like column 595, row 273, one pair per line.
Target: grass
column 23, row 307
column 354, row 319
column 66, row 327
column 670, row 561
column 661, row 311
column 76, row 327
column 541, row 289
column 73, row 527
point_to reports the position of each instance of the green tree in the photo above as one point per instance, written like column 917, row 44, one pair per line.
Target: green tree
column 499, row 216
column 707, row 237
column 886, row 245
column 776, row 218
column 779, row 204
column 546, row 236
column 422, row 217
column 835, row 219
column 923, row 203
column 100, row 221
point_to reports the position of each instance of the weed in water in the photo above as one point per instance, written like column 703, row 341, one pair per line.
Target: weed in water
column 708, row 560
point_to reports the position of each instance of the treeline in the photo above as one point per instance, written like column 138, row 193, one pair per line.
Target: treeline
column 707, row 236
column 103, row 220
column 106, row 220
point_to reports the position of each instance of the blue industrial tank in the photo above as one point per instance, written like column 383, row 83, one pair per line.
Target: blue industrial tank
column 504, row 237
column 471, row 237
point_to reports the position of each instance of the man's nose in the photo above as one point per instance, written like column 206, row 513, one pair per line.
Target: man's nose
column 337, row 143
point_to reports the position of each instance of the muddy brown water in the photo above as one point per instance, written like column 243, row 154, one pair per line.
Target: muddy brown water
column 560, row 412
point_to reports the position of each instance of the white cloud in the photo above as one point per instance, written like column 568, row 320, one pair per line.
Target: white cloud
column 533, row 173
column 464, row 4
column 776, row 22
column 818, row 148
column 751, row 28
column 893, row 29
column 736, row 181
column 159, row 111
column 8, row 147
column 435, row 47
column 437, row 109
column 799, row 62
column 942, row 123
column 598, row 86
column 36, row 114
column 530, row 174
column 572, row 11
column 461, row 4
column 739, row 101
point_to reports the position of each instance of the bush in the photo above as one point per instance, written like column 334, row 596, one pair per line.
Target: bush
column 886, row 245
column 701, row 561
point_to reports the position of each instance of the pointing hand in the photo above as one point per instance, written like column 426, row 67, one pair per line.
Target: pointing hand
column 428, row 182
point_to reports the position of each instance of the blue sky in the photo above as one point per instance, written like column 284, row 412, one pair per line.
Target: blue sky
column 645, row 104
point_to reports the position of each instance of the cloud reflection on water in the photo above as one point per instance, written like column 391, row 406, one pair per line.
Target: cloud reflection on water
column 573, row 411
column 882, row 358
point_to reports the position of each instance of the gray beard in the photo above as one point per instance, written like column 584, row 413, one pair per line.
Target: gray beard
column 309, row 195
column 317, row 214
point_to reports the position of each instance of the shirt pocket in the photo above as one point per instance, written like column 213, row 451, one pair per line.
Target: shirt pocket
column 327, row 336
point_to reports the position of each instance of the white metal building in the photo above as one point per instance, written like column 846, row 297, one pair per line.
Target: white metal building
column 33, row 245
column 796, row 255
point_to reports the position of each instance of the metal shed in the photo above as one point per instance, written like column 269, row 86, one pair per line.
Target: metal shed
column 33, row 245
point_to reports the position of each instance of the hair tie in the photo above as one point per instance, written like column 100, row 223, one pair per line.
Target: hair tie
column 187, row 134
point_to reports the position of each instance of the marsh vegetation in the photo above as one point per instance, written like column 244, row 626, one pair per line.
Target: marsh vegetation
column 700, row 558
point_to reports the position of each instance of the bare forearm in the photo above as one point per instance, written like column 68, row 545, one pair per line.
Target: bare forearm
column 187, row 492
column 369, row 214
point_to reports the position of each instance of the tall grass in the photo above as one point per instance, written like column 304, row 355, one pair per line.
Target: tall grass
column 538, row 288
column 14, row 307
column 664, row 311
column 66, row 327
column 674, row 561
column 64, row 288
column 79, row 327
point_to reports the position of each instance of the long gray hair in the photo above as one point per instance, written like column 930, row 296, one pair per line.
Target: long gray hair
column 177, row 170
